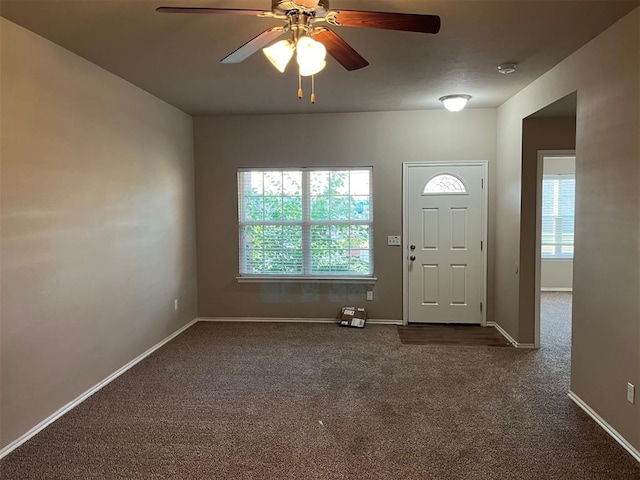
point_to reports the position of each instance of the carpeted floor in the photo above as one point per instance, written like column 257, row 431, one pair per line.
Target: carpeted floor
column 298, row 401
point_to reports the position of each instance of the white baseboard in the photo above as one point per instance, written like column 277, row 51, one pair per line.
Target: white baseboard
column 509, row 338
column 266, row 320
column 371, row 321
column 384, row 321
column 556, row 289
column 607, row 428
column 74, row 403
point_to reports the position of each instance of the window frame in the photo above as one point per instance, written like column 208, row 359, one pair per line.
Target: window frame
column 306, row 224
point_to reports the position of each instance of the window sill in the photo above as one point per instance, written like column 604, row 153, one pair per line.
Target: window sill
column 308, row 279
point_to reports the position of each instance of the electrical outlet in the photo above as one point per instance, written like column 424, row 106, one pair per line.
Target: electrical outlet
column 175, row 304
column 395, row 240
column 370, row 295
column 631, row 393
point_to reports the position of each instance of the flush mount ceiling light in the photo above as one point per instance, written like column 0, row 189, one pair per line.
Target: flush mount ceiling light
column 455, row 103
column 309, row 41
column 507, row 68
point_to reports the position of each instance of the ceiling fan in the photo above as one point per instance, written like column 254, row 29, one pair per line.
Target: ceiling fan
column 309, row 40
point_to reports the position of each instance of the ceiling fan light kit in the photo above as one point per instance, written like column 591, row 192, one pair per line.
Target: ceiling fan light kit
column 455, row 103
column 280, row 53
column 310, row 56
column 311, row 43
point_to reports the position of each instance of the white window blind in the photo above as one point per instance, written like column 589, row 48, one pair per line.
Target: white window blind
column 305, row 222
column 558, row 206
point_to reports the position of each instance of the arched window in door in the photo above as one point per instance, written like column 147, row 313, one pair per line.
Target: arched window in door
column 444, row 183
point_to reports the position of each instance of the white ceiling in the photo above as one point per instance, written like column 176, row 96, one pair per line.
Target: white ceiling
column 176, row 56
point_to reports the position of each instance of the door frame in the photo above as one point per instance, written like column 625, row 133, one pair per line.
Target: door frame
column 538, row 264
column 405, row 227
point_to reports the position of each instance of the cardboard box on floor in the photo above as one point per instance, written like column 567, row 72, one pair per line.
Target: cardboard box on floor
column 353, row 317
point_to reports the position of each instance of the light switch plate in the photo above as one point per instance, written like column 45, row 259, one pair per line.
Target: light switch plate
column 395, row 240
column 631, row 392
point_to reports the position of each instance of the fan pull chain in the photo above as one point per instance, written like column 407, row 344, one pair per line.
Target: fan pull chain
column 313, row 89
column 299, row 86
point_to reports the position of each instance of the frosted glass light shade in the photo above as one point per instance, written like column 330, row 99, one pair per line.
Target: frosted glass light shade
column 279, row 54
column 307, row 70
column 455, row 103
column 311, row 56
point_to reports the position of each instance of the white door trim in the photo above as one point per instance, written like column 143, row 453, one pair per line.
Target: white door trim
column 538, row 265
column 405, row 226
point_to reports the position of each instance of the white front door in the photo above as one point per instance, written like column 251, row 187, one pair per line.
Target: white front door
column 444, row 243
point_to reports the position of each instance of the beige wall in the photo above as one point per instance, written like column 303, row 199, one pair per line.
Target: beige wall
column 606, row 308
column 97, row 209
column 537, row 134
column 383, row 140
column 556, row 275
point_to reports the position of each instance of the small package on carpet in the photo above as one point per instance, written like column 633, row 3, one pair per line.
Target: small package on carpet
column 353, row 317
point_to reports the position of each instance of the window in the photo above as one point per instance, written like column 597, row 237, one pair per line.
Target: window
column 558, row 205
column 305, row 222
column 443, row 184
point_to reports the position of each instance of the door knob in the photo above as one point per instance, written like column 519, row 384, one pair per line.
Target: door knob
column 412, row 247
column 412, row 258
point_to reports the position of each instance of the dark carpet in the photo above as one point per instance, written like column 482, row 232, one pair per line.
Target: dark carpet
column 451, row 335
column 316, row 401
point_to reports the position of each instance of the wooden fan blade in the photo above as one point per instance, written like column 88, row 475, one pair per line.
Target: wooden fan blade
column 253, row 45
column 236, row 11
column 339, row 49
column 407, row 22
